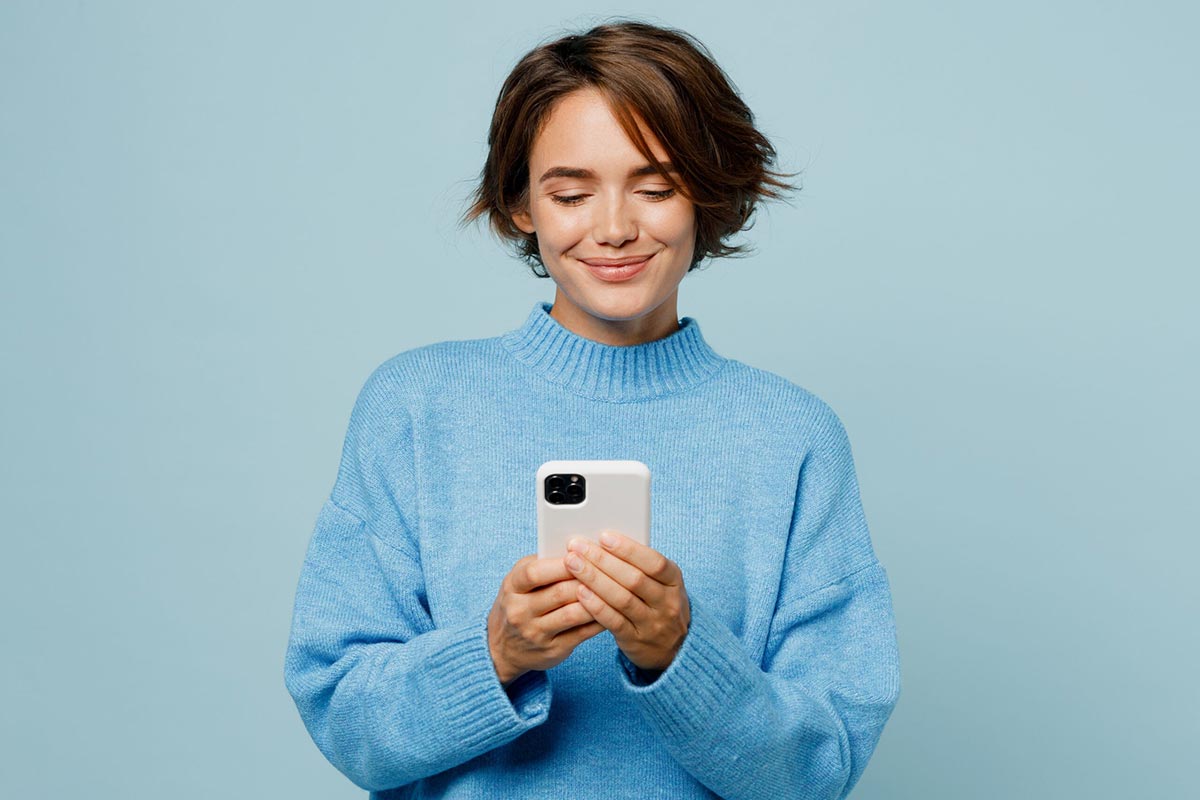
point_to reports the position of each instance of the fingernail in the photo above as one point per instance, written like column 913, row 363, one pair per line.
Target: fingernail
column 607, row 539
column 574, row 563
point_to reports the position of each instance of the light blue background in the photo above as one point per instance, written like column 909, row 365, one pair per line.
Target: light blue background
column 217, row 219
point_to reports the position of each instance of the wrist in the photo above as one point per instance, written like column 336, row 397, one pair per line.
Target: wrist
column 505, row 673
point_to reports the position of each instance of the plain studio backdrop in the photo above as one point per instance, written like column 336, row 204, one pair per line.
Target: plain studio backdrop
column 217, row 218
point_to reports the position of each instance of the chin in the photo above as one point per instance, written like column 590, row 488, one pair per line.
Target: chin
column 629, row 306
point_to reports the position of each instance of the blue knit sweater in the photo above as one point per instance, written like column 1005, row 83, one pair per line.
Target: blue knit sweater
column 789, row 669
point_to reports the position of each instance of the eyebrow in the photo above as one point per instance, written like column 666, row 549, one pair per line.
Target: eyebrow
column 578, row 172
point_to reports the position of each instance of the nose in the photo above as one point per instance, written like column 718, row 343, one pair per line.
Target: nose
column 614, row 221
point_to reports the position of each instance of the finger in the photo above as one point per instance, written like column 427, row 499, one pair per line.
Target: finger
column 573, row 637
column 639, row 583
column 613, row 594
column 644, row 557
column 605, row 614
column 531, row 572
column 556, row 595
column 565, row 618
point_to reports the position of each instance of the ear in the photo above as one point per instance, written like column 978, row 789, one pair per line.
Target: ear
column 523, row 220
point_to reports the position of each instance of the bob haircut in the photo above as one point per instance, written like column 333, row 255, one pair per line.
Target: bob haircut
column 670, row 80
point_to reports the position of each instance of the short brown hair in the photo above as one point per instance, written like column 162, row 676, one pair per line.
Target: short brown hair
column 669, row 79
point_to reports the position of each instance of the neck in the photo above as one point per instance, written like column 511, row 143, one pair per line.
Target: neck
column 658, row 323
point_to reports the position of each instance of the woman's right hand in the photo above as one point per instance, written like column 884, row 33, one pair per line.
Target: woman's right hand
column 537, row 619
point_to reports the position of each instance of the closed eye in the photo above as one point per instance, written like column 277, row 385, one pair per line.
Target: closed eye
column 576, row 199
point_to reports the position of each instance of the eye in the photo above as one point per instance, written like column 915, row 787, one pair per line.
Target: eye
column 576, row 199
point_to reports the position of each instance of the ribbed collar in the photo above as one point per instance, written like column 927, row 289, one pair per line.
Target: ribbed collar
column 616, row 373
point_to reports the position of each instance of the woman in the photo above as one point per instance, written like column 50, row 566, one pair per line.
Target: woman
column 750, row 652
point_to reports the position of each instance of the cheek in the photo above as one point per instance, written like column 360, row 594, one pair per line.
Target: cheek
column 676, row 225
column 554, row 226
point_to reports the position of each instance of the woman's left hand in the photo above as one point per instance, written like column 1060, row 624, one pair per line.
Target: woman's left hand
column 636, row 592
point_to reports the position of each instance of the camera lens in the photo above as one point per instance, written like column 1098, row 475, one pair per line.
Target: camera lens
column 575, row 492
column 555, row 497
column 555, row 482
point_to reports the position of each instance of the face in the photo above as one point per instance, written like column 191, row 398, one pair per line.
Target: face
column 595, row 200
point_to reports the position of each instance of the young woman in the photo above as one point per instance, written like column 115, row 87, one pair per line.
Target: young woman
column 750, row 652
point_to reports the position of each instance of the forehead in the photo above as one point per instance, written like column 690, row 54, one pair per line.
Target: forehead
column 582, row 128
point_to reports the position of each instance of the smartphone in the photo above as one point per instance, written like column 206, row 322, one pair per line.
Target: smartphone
column 584, row 498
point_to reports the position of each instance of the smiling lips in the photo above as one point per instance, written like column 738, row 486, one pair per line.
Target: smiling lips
column 615, row 262
column 617, row 269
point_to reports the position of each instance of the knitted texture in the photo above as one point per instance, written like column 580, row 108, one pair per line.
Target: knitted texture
column 789, row 670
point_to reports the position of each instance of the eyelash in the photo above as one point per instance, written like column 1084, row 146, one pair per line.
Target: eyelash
column 571, row 200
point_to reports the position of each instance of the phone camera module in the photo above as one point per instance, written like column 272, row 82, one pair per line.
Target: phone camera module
column 565, row 489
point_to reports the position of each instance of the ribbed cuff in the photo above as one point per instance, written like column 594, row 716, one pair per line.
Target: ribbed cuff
column 637, row 675
column 530, row 695
column 688, row 701
column 467, row 689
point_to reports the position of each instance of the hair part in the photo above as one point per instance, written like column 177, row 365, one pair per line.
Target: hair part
column 670, row 80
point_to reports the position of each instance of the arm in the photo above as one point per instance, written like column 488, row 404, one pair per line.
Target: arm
column 387, row 697
column 805, row 721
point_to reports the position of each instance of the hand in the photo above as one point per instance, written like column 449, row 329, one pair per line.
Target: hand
column 536, row 628
column 637, row 593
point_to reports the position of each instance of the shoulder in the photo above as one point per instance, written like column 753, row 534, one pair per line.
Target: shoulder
column 780, row 401
column 426, row 373
column 405, row 386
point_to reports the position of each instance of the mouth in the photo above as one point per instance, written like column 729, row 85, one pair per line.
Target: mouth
column 616, row 269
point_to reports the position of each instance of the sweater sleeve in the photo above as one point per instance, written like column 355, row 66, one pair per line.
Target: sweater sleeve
column 387, row 697
column 805, row 721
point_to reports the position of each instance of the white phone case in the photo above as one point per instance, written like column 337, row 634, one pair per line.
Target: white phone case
column 616, row 497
